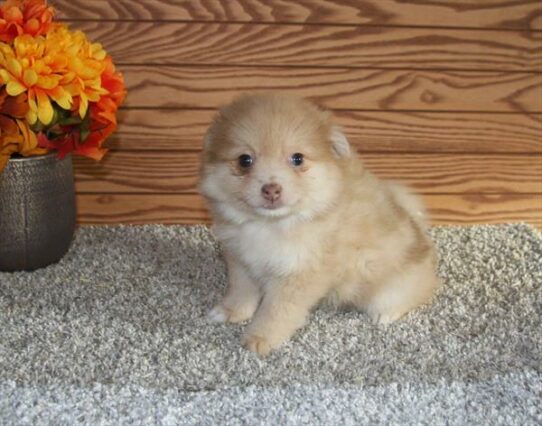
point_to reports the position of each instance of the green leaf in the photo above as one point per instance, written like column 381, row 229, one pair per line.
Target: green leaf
column 52, row 135
column 69, row 121
column 84, row 129
column 37, row 127
column 83, row 135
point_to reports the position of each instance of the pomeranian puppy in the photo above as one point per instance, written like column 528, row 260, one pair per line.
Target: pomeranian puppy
column 301, row 220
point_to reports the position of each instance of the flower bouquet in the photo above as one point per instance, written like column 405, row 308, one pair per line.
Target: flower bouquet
column 58, row 90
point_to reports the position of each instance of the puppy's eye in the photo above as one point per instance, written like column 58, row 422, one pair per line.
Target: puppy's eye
column 296, row 159
column 245, row 161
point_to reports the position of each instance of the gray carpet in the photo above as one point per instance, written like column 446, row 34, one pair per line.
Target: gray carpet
column 116, row 334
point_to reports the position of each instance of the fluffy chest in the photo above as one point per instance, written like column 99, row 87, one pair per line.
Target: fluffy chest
column 269, row 250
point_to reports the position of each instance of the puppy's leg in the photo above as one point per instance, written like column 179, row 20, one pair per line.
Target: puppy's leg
column 403, row 292
column 284, row 309
column 242, row 296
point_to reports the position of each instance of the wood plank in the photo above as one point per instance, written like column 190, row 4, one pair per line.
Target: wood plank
column 177, row 171
column 337, row 88
column 450, row 13
column 139, row 209
column 155, row 130
column 190, row 209
column 316, row 45
column 468, row 209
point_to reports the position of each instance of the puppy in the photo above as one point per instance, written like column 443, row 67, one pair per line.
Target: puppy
column 301, row 220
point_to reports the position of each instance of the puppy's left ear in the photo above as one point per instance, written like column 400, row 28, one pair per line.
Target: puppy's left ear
column 339, row 143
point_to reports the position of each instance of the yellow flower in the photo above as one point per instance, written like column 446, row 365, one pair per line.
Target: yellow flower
column 58, row 67
column 84, row 67
column 28, row 67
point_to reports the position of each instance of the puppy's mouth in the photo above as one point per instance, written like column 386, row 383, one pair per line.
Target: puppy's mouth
column 269, row 209
column 273, row 210
column 272, row 205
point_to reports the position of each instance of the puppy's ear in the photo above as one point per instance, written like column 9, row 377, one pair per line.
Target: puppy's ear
column 211, row 132
column 339, row 143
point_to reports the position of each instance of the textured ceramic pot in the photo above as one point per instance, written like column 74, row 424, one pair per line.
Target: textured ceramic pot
column 37, row 211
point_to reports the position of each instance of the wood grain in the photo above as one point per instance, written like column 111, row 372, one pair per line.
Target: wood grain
column 177, row 171
column 443, row 209
column 337, row 88
column 450, row 13
column 445, row 96
column 467, row 209
column 316, row 45
column 155, row 130
column 138, row 209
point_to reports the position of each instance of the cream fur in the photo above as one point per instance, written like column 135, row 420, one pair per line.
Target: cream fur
column 339, row 234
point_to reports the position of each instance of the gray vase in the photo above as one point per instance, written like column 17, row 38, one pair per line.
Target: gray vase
column 37, row 211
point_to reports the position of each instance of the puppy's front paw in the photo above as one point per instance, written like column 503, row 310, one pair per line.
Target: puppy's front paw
column 259, row 345
column 220, row 313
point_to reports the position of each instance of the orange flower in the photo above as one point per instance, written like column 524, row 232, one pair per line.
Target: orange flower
column 84, row 67
column 18, row 17
column 66, row 87
column 103, row 114
column 113, row 82
column 29, row 67
column 102, row 120
column 58, row 67
column 15, row 135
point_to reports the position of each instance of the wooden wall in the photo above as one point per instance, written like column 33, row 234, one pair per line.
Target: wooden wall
column 443, row 95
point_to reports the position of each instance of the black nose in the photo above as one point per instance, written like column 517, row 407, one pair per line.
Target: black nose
column 271, row 191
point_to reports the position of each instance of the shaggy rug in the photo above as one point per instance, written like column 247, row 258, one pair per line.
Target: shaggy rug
column 116, row 333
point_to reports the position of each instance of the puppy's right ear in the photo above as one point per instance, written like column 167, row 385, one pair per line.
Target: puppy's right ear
column 339, row 143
